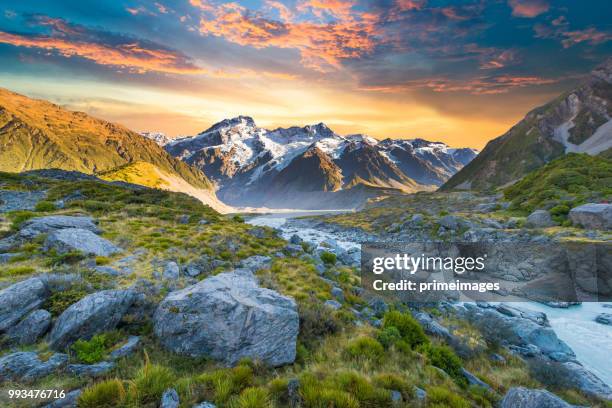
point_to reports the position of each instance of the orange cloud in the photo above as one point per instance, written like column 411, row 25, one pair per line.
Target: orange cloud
column 319, row 44
column 132, row 56
column 590, row 35
column 528, row 8
column 411, row 4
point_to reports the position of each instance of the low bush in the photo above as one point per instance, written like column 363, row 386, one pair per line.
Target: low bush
column 44, row 206
column 410, row 330
column 61, row 300
column 105, row 394
column 444, row 357
column 91, row 351
column 439, row 397
column 328, row 258
column 388, row 336
column 365, row 348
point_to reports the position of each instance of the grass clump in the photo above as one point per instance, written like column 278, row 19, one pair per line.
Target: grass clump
column 105, row 394
column 444, row 357
column 410, row 330
column 440, row 397
column 365, row 348
column 252, row 397
column 45, row 206
column 150, row 383
column 95, row 349
column 328, row 258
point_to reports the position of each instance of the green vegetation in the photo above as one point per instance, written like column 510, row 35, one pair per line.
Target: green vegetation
column 409, row 329
column 95, row 349
column 105, row 394
column 563, row 184
column 328, row 257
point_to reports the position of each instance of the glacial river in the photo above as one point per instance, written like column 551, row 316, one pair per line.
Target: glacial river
column 591, row 341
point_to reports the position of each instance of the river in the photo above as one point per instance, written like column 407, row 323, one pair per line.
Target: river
column 591, row 341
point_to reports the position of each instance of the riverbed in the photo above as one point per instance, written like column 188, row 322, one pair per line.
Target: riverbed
column 591, row 341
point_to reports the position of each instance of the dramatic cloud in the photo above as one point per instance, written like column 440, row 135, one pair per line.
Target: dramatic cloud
column 528, row 8
column 102, row 48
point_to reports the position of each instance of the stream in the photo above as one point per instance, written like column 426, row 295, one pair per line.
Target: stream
column 591, row 341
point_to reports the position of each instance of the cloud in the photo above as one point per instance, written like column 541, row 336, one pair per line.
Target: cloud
column 589, row 35
column 321, row 44
column 528, row 8
column 500, row 60
column 103, row 48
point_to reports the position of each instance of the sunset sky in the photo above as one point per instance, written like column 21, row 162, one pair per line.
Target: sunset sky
column 461, row 72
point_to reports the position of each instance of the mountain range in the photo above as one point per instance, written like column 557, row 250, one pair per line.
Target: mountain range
column 578, row 121
column 36, row 134
column 312, row 167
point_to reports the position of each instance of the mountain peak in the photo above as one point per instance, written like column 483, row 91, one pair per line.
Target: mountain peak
column 603, row 71
column 228, row 123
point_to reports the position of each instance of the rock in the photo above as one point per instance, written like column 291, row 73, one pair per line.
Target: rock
column 296, row 240
column 337, row 293
column 19, row 299
column 592, row 216
column 77, row 239
column 200, row 266
column 515, row 311
column 107, row 270
column 520, row 397
column 256, row 262
column 258, row 232
column 473, row 380
column 171, row 271
column 449, row 222
column 19, row 200
column 333, row 304
column 604, row 318
column 379, row 306
column 46, row 225
column 30, row 328
column 293, row 249
column 497, row 358
column 69, row 401
column 432, row 327
column 396, row 396
column 539, row 219
column 169, row 399
column 183, row 219
column 126, row 349
column 420, row 393
column 587, row 382
column 91, row 370
column 95, row 313
column 485, row 207
column 293, row 393
column 27, row 366
column 6, row 258
column 205, row 404
column 229, row 317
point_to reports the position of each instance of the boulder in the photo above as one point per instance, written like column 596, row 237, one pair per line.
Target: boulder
column 592, row 216
column 450, row 222
column 126, row 349
column 169, row 399
column 77, row 239
column 19, row 299
column 256, row 262
column 205, row 404
column 27, row 366
column 69, row 401
column 515, row 311
column 520, row 397
column 473, row 380
column 91, row 370
column 539, row 219
column 171, row 271
column 333, row 304
column 587, row 382
column 30, row 328
column 46, row 225
column 604, row 318
column 296, row 240
column 432, row 327
column 95, row 313
column 229, row 317
column 337, row 293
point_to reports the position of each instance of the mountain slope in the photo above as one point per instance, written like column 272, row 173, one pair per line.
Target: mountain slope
column 579, row 121
column 36, row 134
column 253, row 166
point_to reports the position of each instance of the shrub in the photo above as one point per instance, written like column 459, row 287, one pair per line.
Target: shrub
column 61, row 300
column 17, row 271
column 252, row 397
column 91, row 351
column 388, row 336
column 439, row 397
column 44, row 206
column 316, row 321
column 105, row 394
column 238, row 218
column 411, row 331
column 150, row 383
column 445, row 358
column 19, row 217
column 365, row 348
column 367, row 394
column 317, row 395
column 328, row 258
column 390, row 381
column 102, row 260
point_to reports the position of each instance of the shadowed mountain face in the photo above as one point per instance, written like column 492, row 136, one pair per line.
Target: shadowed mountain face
column 36, row 134
column 312, row 167
column 578, row 121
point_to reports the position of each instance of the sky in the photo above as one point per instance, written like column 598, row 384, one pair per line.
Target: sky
column 461, row 72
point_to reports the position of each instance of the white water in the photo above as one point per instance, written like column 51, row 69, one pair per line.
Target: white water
column 591, row 341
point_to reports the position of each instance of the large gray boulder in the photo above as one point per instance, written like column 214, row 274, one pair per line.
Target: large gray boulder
column 587, row 382
column 604, row 318
column 77, row 239
column 95, row 313
column 46, row 225
column 229, row 317
column 69, row 401
column 27, row 366
column 539, row 219
column 19, row 299
column 30, row 328
column 592, row 216
column 521, row 397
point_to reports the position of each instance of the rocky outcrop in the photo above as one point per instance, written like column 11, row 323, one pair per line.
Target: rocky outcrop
column 587, row 382
column 30, row 328
column 46, row 225
column 520, row 397
column 228, row 317
column 91, row 370
column 95, row 313
column 604, row 318
column 27, row 366
column 77, row 239
column 592, row 216
column 539, row 219
column 19, row 299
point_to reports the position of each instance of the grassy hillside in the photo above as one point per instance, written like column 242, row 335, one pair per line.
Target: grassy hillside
column 36, row 134
column 562, row 184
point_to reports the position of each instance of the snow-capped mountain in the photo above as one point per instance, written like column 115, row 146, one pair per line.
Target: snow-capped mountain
column 312, row 166
column 158, row 137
